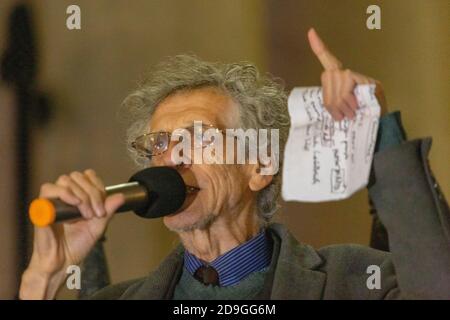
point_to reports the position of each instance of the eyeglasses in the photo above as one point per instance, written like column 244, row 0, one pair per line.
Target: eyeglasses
column 156, row 143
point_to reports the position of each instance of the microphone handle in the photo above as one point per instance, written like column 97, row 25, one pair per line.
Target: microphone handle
column 136, row 196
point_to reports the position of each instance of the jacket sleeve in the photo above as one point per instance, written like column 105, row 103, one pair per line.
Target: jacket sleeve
column 416, row 215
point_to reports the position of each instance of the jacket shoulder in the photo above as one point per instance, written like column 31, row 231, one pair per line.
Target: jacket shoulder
column 349, row 268
column 352, row 253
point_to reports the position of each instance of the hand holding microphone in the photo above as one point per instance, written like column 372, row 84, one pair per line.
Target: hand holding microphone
column 152, row 192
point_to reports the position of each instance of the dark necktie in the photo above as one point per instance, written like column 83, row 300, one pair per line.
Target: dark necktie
column 207, row 275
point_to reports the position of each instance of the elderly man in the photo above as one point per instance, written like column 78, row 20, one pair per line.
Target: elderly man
column 229, row 250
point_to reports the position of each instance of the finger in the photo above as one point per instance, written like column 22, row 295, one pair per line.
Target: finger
column 96, row 195
column 326, row 58
column 338, row 102
column 336, row 114
column 330, row 95
column 379, row 93
column 92, row 176
column 95, row 180
column 347, row 110
column 85, row 206
column 327, row 89
column 113, row 202
column 348, row 88
column 361, row 79
column 50, row 190
column 351, row 101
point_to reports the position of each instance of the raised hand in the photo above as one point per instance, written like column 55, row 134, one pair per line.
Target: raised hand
column 338, row 83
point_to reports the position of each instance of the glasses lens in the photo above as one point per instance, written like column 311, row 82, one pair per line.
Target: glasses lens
column 160, row 143
column 152, row 144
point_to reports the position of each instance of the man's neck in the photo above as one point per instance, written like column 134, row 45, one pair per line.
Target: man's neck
column 225, row 233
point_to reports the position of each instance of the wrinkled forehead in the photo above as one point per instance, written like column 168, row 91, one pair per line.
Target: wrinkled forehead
column 210, row 105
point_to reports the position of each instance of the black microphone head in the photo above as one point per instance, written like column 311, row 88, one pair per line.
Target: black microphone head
column 166, row 191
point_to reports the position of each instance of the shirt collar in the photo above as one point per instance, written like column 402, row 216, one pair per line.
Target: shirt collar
column 236, row 264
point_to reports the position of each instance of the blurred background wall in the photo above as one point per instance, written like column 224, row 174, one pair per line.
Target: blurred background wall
column 88, row 72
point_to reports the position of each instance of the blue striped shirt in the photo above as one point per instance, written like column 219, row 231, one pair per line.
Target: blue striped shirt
column 236, row 264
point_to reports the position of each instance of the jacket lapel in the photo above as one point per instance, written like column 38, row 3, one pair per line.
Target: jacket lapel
column 295, row 275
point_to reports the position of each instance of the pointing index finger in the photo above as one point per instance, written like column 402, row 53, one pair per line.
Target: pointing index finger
column 326, row 58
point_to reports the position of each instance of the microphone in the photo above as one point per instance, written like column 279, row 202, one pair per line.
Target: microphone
column 150, row 193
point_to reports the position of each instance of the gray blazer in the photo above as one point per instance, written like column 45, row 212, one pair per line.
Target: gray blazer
column 416, row 216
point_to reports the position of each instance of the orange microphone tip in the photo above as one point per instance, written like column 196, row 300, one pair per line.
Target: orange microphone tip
column 42, row 212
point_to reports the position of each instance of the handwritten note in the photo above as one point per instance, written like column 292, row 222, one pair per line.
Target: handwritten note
column 326, row 159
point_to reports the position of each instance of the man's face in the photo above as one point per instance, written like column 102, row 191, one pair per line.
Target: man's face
column 224, row 188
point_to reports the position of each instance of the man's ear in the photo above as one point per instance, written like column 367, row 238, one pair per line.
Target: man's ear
column 258, row 181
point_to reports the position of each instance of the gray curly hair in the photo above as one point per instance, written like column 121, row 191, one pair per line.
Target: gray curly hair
column 261, row 98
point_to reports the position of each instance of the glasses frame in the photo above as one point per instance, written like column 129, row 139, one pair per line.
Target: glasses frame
column 141, row 152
